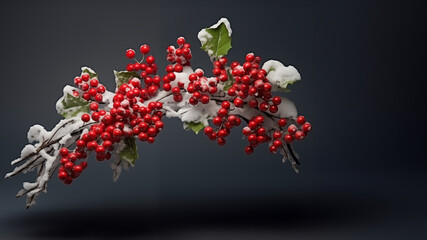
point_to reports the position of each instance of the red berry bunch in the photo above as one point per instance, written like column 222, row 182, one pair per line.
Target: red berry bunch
column 225, row 122
column 256, row 133
column 91, row 88
column 147, row 71
column 252, row 85
column 69, row 169
column 292, row 132
column 200, row 87
column 127, row 118
column 180, row 55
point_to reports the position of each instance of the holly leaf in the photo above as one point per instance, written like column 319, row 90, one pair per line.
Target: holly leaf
column 129, row 152
column 70, row 106
column 216, row 40
column 195, row 127
column 92, row 74
column 124, row 77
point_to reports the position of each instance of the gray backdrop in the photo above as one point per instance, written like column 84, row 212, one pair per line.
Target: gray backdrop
column 363, row 172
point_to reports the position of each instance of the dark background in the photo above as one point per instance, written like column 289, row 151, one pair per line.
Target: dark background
column 363, row 172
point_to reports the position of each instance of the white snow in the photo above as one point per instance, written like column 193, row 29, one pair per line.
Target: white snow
column 226, row 23
column 279, row 75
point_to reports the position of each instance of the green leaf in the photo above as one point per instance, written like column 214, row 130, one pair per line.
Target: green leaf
column 129, row 153
column 72, row 106
column 124, row 77
column 195, row 127
column 92, row 74
column 216, row 40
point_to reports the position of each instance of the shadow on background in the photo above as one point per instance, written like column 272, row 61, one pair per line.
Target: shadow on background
column 262, row 214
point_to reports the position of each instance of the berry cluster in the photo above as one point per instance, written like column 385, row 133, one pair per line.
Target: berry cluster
column 91, row 89
column 147, row 71
column 252, row 85
column 296, row 132
column 200, row 87
column 256, row 133
column 225, row 122
column 127, row 118
column 178, row 57
column 69, row 169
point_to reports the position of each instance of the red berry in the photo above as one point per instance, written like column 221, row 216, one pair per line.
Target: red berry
column 282, row 122
column 107, row 144
column 259, row 119
column 117, row 133
column 274, row 109
column 221, row 141
column 150, row 59
column 264, row 106
column 180, row 41
column 159, row 125
column 142, row 136
column 130, row 53
column 80, row 143
column 253, row 103
column 208, row 130
column 62, row 175
column 85, row 117
column 299, row 135
column 178, row 68
column 83, row 164
column 249, row 149
column 72, row 157
column 204, row 99
column 94, row 82
column 63, row 152
column 292, row 129
column 222, row 112
column 93, row 106
column 238, row 102
column 100, row 149
column 217, row 121
column 273, row 149
column 226, row 104
column 250, row 57
column 301, row 120
column 69, row 165
column 85, row 77
column 176, row 90
column 306, row 127
column 246, row 131
column 150, row 140
column 288, row 138
column 277, row 134
column 64, row 161
column 95, row 116
column 167, row 87
column 277, row 143
column 276, row 100
column 144, row 49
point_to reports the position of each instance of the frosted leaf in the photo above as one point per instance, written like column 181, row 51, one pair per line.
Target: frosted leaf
column 279, row 75
column 90, row 71
column 216, row 40
column 71, row 106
